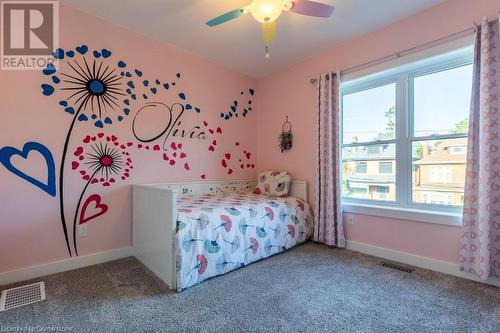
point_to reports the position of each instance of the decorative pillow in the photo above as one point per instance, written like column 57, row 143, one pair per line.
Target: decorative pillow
column 273, row 183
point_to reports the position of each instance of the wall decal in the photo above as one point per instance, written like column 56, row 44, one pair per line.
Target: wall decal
column 99, row 208
column 102, row 159
column 95, row 89
column 234, row 109
column 6, row 154
column 172, row 127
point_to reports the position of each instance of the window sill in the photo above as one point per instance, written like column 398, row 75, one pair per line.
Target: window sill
column 417, row 215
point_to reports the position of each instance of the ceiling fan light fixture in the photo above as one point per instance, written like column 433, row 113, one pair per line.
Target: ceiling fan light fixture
column 266, row 11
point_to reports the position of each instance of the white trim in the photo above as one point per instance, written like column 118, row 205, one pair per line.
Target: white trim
column 63, row 265
column 417, row 261
column 398, row 212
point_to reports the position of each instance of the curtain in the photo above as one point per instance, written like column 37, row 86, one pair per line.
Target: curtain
column 480, row 238
column 328, row 225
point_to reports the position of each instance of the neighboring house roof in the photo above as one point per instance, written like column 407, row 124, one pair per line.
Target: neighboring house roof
column 442, row 153
column 362, row 153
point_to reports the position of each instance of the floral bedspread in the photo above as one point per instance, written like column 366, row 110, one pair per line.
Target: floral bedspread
column 217, row 233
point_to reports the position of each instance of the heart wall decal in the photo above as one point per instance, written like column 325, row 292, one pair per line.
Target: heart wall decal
column 6, row 154
column 99, row 208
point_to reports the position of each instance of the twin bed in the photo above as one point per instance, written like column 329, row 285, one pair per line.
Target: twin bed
column 186, row 233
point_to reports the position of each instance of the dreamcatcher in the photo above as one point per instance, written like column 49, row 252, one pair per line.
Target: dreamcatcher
column 286, row 136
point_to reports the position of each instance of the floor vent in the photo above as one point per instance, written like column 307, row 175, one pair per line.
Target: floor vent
column 397, row 267
column 20, row 296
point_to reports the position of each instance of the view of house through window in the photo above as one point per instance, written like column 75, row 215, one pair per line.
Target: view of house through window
column 431, row 147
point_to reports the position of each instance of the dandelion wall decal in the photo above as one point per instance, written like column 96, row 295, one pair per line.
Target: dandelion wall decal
column 100, row 160
column 96, row 87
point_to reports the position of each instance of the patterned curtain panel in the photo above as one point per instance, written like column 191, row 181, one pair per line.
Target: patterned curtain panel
column 328, row 225
column 480, row 240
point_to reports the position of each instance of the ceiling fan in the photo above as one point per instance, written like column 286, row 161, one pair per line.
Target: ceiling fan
column 268, row 11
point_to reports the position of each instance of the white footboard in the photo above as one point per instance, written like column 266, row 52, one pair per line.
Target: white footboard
column 154, row 224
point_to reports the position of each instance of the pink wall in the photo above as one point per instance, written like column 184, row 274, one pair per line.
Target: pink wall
column 289, row 92
column 30, row 224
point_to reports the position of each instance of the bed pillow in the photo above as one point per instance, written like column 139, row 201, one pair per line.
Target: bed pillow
column 273, row 183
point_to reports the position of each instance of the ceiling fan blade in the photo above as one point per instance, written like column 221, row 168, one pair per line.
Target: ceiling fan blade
column 311, row 8
column 269, row 32
column 227, row 16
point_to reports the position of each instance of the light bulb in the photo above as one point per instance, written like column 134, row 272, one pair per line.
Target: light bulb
column 266, row 11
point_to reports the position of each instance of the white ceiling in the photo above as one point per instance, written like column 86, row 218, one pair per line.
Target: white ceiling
column 238, row 44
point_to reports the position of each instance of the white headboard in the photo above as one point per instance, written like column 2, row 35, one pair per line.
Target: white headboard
column 298, row 187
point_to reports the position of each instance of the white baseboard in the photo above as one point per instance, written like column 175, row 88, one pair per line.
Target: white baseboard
column 63, row 265
column 417, row 261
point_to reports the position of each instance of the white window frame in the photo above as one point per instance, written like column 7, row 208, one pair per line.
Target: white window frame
column 404, row 208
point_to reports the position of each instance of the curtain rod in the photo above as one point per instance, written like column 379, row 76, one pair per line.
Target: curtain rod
column 451, row 37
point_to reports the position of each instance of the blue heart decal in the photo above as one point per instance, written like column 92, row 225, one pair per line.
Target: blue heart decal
column 138, row 72
column 6, row 154
column 82, row 49
column 251, row 91
column 145, row 83
column 166, row 86
column 97, row 54
column 47, row 89
column 55, row 79
column 144, row 96
column 121, row 64
column 108, row 120
column 178, row 75
column 59, row 54
column 70, row 54
column 189, row 106
column 49, row 70
column 83, row 117
column 105, row 53
column 153, row 90
column 182, row 96
column 99, row 124
column 197, row 109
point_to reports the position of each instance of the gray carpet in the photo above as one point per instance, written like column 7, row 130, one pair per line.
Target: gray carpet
column 311, row 288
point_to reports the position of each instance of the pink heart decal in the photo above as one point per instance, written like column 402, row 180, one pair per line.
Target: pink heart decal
column 74, row 165
column 86, row 139
column 99, row 208
column 224, row 163
column 183, row 155
column 78, row 151
column 248, row 155
column 186, row 166
column 230, row 171
column 203, row 176
column 100, row 135
column 156, row 148
column 173, row 146
column 211, row 148
column 219, row 130
column 228, row 156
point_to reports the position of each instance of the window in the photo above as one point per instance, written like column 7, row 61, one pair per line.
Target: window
column 440, row 174
column 385, row 167
column 361, row 167
column 409, row 126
